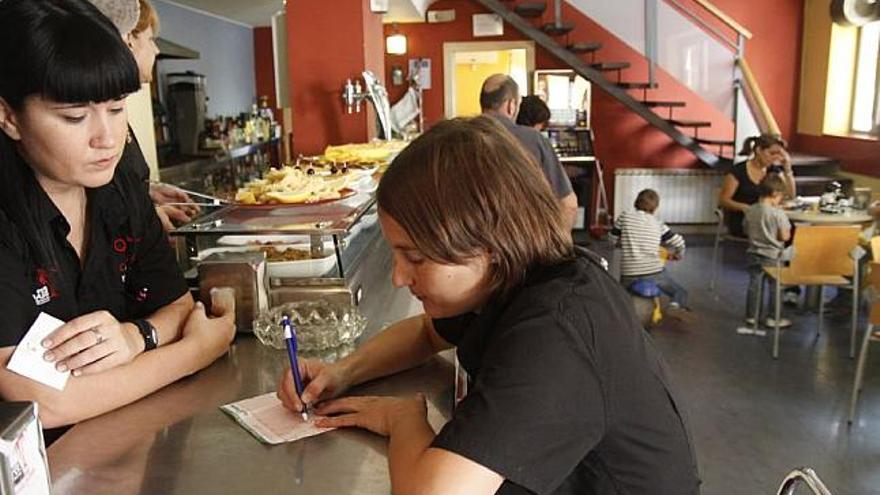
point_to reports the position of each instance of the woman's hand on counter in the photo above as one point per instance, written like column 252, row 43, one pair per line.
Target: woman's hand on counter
column 378, row 414
column 322, row 381
column 92, row 343
column 211, row 335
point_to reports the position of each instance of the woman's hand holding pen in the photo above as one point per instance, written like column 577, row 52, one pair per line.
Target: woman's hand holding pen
column 321, row 380
column 377, row 414
column 92, row 343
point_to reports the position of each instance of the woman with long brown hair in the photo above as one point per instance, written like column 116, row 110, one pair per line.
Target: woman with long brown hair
column 567, row 393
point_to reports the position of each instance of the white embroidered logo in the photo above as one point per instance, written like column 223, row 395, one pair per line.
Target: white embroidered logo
column 41, row 296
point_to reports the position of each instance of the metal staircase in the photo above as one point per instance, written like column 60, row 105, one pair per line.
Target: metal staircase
column 573, row 55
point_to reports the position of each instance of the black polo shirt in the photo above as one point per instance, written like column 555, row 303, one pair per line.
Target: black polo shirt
column 568, row 394
column 129, row 268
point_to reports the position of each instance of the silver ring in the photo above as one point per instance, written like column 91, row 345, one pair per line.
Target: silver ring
column 98, row 336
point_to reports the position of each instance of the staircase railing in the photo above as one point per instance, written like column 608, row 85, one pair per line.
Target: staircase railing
column 743, row 79
column 742, row 34
column 757, row 103
column 596, row 77
column 697, row 39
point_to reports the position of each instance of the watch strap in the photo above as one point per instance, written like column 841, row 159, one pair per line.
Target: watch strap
column 149, row 334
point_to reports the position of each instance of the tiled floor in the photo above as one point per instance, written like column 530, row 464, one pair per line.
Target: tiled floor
column 755, row 418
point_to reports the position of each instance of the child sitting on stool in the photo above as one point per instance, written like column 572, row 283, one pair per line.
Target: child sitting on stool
column 641, row 237
column 768, row 230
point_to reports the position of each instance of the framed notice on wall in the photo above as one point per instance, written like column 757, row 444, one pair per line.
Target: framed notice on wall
column 488, row 25
column 421, row 67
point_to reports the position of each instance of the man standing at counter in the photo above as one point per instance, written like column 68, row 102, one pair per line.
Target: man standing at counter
column 567, row 393
column 500, row 99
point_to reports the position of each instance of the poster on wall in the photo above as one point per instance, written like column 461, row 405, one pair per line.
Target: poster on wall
column 421, row 67
column 488, row 25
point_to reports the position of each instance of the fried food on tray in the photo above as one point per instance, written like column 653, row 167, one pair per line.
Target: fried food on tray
column 364, row 155
column 292, row 185
column 290, row 254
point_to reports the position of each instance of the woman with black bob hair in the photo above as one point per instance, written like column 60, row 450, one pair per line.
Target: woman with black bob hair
column 567, row 394
column 80, row 240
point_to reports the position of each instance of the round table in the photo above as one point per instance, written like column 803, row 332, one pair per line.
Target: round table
column 847, row 217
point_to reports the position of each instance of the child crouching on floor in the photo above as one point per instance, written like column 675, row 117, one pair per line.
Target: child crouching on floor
column 641, row 237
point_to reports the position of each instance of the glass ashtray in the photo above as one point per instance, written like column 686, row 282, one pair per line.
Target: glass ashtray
column 319, row 325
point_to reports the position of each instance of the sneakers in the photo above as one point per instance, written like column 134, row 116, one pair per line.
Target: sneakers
column 783, row 323
column 790, row 298
column 750, row 322
column 751, row 331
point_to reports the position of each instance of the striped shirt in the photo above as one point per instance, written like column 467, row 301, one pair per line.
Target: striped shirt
column 641, row 235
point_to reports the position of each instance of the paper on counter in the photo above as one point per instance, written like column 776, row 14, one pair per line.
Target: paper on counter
column 27, row 360
column 270, row 422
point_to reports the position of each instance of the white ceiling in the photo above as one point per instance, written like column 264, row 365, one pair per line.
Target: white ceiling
column 259, row 12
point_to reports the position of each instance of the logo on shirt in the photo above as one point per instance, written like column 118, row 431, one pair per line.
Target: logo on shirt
column 45, row 292
column 41, row 296
column 122, row 246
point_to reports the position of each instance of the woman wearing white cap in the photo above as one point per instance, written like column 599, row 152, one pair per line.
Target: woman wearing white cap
column 138, row 23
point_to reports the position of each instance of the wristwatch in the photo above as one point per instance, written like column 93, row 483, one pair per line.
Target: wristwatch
column 148, row 332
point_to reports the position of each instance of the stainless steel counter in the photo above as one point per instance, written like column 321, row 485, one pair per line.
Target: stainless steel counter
column 177, row 441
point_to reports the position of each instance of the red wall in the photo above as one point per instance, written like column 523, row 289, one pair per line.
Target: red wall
column 328, row 44
column 264, row 64
column 860, row 156
column 774, row 53
column 622, row 138
column 775, row 56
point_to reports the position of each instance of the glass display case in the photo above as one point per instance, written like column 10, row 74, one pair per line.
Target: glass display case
column 349, row 261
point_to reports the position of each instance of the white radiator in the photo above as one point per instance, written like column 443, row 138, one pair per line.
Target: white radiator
column 686, row 196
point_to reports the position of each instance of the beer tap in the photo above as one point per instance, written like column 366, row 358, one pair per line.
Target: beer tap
column 352, row 95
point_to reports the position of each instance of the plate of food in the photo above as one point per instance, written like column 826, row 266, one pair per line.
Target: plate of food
column 284, row 261
column 293, row 185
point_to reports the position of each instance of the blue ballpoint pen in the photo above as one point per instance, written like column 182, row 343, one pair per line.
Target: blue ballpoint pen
column 290, row 339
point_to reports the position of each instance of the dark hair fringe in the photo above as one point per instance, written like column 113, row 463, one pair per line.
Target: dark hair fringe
column 63, row 51
column 762, row 142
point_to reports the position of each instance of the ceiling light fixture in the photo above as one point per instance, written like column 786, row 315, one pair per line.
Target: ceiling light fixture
column 395, row 43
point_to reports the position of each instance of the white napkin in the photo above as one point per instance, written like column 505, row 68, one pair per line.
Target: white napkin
column 27, row 360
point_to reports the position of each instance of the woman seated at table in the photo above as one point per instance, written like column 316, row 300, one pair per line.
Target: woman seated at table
column 767, row 154
column 568, row 394
column 81, row 240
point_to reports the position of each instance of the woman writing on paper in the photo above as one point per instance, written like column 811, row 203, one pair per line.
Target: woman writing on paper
column 81, row 240
column 567, row 394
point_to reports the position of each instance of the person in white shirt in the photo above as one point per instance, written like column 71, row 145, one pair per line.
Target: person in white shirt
column 641, row 236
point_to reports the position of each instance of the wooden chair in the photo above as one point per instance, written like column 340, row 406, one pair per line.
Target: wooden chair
column 823, row 256
column 870, row 336
column 875, row 248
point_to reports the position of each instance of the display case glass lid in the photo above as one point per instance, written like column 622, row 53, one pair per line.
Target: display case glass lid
column 333, row 217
